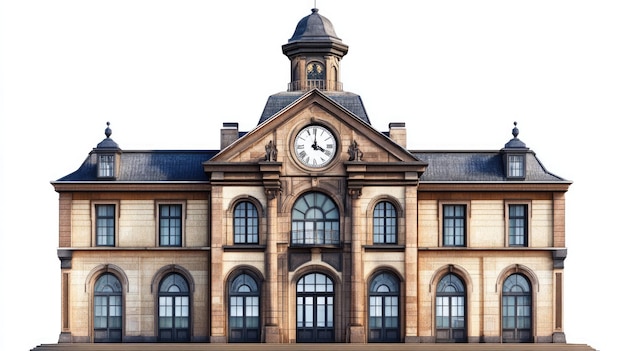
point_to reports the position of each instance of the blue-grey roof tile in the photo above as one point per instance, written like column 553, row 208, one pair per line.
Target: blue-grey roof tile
column 350, row 101
column 154, row 165
column 477, row 166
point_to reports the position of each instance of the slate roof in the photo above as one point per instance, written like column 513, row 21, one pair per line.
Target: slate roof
column 350, row 101
column 314, row 27
column 477, row 166
column 150, row 166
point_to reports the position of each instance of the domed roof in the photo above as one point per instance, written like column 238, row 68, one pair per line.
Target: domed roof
column 314, row 27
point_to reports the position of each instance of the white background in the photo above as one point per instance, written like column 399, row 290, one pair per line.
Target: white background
column 167, row 74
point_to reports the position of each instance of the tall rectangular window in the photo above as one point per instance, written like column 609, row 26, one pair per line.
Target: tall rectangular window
column 170, row 225
column 106, row 165
column 454, row 220
column 105, row 225
column 518, row 225
column 516, row 166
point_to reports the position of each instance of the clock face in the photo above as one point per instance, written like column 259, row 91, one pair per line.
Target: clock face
column 315, row 146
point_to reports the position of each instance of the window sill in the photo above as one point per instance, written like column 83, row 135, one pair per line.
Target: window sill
column 385, row 247
column 244, row 247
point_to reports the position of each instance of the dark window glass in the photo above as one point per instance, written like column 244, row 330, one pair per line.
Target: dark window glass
column 170, row 225
column 454, row 220
column 315, row 221
column 450, row 309
column 246, row 223
column 174, row 309
column 315, row 309
column 105, row 225
column 106, row 165
column 518, row 225
column 516, row 309
column 384, row 312
column 243, row 312
column 107, row 314
column 385, row 223
column 516, row 166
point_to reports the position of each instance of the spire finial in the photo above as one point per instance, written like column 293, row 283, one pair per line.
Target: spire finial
column 108, row 130
column 515, row 130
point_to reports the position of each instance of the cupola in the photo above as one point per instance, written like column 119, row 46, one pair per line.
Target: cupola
column 108, row 156
column 315, row 52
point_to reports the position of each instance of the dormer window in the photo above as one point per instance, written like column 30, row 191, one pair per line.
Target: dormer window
column 516, row 166
column 514, row 157
column 106, row 166
column 108, row 154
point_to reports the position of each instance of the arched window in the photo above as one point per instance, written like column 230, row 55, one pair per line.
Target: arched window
column 314, row 220
column 174, row 309
column 315, row 309
column 243, row 315
column 450, row 310
column 384, row 316
column 107, row 315
column 385, row 223
column 516, row 309
column 246, row 223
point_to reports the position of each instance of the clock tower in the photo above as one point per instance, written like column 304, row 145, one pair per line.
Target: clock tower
column 315, row 52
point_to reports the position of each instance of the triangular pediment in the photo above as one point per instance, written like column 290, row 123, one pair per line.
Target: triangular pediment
column 312, row 108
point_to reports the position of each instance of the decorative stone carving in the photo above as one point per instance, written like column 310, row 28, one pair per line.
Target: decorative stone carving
column 271, row 152
column 355, row 154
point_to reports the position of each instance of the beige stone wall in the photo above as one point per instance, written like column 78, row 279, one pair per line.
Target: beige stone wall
column 139, row 270
column 136, row 224
column 486, row 223
column 483, row 272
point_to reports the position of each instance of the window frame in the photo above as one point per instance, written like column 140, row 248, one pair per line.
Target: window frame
column 106, row 164
column 94, row 221
column 519, row 160
column 512, row 311
column 395, row 226
column 311, row 233
column 385, row 307
column 441, row 295
column 442, row 218
column 98, row 295
column 168, row 296
column 247, row 234
column 527, row 223
column 183, row 219
column 246, row 308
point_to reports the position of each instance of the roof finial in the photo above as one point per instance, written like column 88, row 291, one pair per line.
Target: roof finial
column 515, row 130
column 108, row 131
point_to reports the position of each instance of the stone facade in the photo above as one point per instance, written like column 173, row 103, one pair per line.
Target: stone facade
column 250, row 243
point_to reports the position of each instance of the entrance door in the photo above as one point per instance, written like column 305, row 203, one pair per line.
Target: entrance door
column 174, row 309
column 107, row 323
column 315, row 309
column 384, row 317
column 516, row 309
column 450, row 312
column 243, row 317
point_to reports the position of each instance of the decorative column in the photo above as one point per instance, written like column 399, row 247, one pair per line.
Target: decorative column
column 357, row 308
column 271, row 182
column 411, row 270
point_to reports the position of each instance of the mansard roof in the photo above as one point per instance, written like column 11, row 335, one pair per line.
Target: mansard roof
column 149, row 166
column 350, row 101
column 478, row 166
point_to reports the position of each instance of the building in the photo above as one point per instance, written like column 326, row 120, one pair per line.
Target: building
column 312, row 227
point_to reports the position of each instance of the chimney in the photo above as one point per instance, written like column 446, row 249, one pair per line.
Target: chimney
column 397, row 133
column 229, row 133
